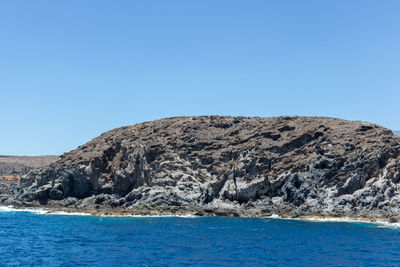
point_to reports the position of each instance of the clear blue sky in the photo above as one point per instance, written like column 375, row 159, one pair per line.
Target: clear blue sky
column 70, row 70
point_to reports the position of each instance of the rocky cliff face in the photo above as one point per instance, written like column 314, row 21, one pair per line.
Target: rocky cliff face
column 294, row 166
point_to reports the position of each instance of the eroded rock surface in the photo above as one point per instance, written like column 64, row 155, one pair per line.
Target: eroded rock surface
column 294, row 166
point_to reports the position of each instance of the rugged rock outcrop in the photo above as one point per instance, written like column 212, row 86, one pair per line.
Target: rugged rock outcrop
column 294, row 166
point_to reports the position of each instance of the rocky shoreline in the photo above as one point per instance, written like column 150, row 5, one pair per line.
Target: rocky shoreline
column 207, row 212
column 181, row 213
column 294, row 167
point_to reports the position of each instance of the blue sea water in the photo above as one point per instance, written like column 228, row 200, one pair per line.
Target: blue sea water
column 28, row 239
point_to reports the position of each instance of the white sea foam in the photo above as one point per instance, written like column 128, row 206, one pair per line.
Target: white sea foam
column 351, row 220
column 69, row 213
column 41, row 211
column 32, row 210
column 378, row 223
column 149, row 216
column 311, row 219
column 274, row 216
column 388, row 225
column 7, row 209
column 55, row 212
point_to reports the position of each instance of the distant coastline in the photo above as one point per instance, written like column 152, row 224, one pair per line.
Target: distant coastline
column 15, row 166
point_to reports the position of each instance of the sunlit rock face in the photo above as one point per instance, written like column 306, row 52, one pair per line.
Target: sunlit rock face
column 293, row 166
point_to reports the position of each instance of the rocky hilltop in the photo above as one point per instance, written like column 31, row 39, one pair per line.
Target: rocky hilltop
column 240, row 166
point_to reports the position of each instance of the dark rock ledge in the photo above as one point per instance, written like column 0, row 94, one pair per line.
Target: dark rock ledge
column 234, row 166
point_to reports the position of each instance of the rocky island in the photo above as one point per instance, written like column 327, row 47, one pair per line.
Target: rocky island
column 234, row 166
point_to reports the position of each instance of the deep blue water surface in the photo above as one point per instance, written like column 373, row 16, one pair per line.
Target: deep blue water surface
column 28, row 239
